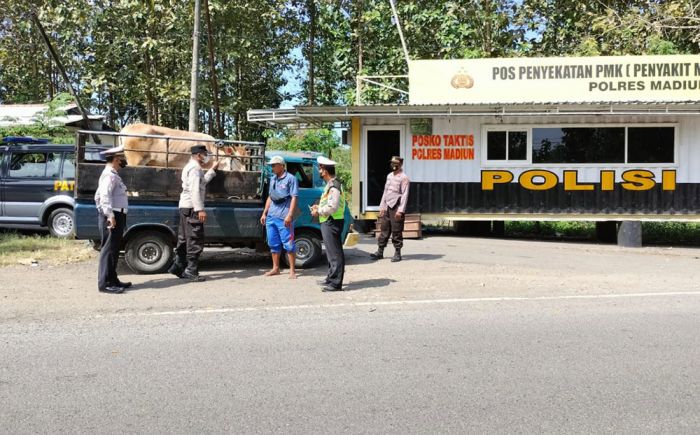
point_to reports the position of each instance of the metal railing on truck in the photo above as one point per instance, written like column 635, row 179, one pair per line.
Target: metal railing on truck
column 163, row 182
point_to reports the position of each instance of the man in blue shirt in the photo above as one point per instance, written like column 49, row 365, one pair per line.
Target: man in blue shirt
column 278, row 216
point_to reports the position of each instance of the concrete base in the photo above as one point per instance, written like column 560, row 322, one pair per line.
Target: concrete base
column 629, row 234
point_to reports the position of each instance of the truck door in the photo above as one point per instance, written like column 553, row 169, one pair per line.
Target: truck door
column 309, row 192
column 29, row 182
column 380, row 144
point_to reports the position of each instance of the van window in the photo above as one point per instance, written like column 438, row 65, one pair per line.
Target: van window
column 304, row 173
column 53, row 165
column 69, row 165
column 28, row 165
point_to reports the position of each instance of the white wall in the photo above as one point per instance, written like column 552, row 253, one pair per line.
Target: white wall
column 687, row 147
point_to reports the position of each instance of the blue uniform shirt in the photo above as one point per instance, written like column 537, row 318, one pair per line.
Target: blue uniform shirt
column 286, row 186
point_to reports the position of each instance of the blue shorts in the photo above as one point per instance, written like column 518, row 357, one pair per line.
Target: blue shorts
column 279, row 236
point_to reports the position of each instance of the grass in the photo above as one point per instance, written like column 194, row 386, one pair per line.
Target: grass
column 16, row 249
column 564, row 229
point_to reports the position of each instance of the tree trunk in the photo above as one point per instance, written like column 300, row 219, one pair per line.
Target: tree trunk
column 50, row 77
column 218, row 130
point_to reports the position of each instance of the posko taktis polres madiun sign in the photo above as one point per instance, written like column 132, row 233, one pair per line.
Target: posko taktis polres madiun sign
column 619, row 79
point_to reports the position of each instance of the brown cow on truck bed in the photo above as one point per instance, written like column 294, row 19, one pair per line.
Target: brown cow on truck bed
column 148, row 151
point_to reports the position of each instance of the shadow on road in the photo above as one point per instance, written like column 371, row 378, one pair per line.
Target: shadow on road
column 368, row 283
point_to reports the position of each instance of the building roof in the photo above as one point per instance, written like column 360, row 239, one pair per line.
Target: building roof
column 301, row 116
column 26, row 114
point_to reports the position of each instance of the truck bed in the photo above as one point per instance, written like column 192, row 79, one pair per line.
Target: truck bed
column 163, row 184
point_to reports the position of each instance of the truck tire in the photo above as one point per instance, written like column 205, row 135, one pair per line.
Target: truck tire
column 61, row 223
column 149, row 252
column 309, row 249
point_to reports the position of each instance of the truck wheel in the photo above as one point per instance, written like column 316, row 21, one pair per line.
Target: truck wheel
column 149, row 252
column 61, row 224
column 308, row 249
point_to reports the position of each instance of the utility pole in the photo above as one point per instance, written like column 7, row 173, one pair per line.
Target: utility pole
column 195, row 68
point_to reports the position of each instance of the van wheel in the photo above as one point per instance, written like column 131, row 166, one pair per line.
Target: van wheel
column 308, row 249
column 61, row 223
column 149, row 252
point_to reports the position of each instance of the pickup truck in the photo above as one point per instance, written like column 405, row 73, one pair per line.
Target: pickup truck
column 234, row 203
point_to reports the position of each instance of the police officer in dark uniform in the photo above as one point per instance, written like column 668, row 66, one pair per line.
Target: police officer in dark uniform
column 190, row 237
column 331, row 213
column 112, row 206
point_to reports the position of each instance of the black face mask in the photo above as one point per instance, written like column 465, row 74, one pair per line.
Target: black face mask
column 122, row 163
column 394, row 167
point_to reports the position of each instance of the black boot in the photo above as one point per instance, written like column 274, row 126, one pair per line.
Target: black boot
column 192, row 272
column 177, row 268
column 378, row 255
column 397, row 256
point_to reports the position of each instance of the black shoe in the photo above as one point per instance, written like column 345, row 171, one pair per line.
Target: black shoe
column 377, row 255
column 397, row 257
column 176, row 270
column 193, row 277
column 323, row 282
column 112, row 289
column 330, row 288
column 123, row 284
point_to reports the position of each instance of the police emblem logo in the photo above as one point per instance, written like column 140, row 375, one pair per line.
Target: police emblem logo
column 462, row 80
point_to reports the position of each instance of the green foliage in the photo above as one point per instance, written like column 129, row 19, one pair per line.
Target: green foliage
column 653, row 233
column 130, row 59
column 320, row 140
column 564, row 229
column 671, row 233
column 58, row 135
column 45, row 126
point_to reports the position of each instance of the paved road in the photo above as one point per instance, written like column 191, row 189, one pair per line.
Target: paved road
column 465, row 336
column 618, row 365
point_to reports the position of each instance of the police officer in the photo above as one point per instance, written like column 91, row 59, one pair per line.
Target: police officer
column 392, row 210
column 331, row 212
column 190, row 236
column 112, row 206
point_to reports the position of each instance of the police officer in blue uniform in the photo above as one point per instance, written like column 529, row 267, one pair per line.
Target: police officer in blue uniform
column 112, row 207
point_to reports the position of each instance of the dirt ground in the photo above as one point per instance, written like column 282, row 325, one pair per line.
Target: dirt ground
column 436, row 267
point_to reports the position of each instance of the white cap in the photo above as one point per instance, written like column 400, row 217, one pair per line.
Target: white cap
column 277, row 159
column 115, row 150
column 325, row 161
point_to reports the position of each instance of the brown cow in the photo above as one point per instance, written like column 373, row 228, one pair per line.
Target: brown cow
column 148, row 151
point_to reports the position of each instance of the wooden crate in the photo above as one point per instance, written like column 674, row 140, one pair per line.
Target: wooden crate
column 411, row 227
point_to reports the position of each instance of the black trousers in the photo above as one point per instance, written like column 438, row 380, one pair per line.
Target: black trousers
column 109, row 249
column 332, row 231
column 388, row 224
column 190, row 241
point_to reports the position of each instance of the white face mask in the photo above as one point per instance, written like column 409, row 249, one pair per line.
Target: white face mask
column 206, row 159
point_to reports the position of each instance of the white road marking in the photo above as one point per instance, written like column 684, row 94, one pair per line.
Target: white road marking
column 409, row 302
